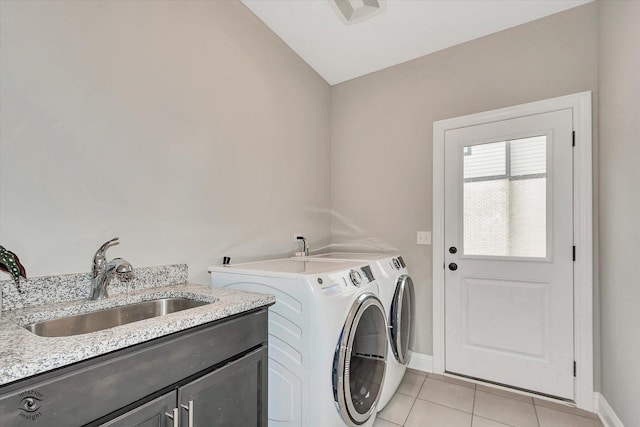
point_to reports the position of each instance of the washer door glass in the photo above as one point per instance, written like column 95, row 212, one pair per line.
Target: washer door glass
column 360, row 361
column 400, row 318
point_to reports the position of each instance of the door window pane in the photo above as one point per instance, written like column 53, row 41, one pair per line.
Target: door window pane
column 505, row 198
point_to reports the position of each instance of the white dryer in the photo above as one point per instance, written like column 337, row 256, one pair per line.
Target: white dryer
column 396, row 294
column 327, row 339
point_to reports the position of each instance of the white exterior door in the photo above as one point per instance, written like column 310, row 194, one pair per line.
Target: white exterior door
column 508, row 235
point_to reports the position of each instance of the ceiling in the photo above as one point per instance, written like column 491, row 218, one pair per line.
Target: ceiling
column 403, row 30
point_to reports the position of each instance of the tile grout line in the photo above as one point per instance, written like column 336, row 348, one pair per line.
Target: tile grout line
column 535, row 410
column 563, row 412
column 473, row 407
column 510, row 394
column 455, row 383
column 445, row 406
column 439, row 404
column 415, row 399
column 490, row 391
column 505, row 397
column 495, row 421
column 406, row 394
column 410, row 409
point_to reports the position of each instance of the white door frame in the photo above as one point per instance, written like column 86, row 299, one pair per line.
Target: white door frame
column 580, row 103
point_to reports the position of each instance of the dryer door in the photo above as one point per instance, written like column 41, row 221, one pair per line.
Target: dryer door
column 360, row 361
column 400, row 318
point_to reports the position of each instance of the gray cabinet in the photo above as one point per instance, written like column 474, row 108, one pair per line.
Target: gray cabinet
column 151, row 414
column 220, row 367
column 234, row 395
column 231, row 396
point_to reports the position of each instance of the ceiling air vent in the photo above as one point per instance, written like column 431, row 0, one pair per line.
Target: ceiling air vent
column 352, row 11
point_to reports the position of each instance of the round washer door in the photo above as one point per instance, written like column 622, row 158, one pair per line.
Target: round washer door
column 400, row 318
column 360, row 361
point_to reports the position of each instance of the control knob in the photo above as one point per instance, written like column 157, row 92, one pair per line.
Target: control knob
column 356, row 277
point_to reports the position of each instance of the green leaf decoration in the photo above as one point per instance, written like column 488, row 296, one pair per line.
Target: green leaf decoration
column 10, row 263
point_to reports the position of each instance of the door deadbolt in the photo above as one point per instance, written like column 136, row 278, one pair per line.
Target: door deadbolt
column 453, row 250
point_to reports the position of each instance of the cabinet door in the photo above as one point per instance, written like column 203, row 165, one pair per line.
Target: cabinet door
column 152, row 414
column 233, row 396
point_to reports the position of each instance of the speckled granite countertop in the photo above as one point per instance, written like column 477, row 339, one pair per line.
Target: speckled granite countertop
column 23, row 354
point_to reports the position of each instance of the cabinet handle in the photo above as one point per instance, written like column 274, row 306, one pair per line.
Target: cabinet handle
column 189, row 409
column 174, row 416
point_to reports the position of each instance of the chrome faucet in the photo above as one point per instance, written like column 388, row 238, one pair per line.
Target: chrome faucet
column 305, row 246
column 102, row 271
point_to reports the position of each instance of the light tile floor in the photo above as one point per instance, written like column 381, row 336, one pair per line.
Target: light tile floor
column 430, row 400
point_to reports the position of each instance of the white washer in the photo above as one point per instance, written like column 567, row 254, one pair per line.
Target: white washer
column 396, row 294
column 327, row 339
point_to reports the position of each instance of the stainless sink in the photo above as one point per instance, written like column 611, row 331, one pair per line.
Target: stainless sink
column 105, row 319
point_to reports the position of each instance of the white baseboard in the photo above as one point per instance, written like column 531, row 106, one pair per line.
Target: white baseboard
column 421, row 362
column 605, row 411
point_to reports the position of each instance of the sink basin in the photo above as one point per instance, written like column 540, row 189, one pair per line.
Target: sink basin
column 105, row 319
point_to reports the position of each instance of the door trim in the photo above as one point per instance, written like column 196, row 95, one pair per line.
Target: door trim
column 580, row 103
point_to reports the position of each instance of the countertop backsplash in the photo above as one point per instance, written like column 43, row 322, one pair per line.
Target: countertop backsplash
column 69, row 287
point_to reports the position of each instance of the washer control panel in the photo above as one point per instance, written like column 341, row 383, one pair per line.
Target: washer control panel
column 354, row 277
column 368, row 273
column 397, row 263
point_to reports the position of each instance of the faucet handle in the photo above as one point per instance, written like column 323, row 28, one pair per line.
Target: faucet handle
column 99, row 259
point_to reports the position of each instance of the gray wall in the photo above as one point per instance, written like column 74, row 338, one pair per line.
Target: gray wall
column 382, row 125
column 619, row 74
column 192, row 132
column 188, row 129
